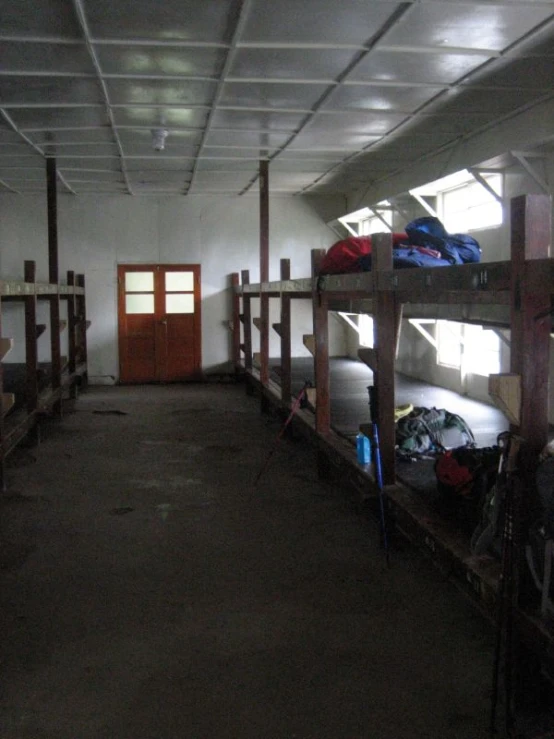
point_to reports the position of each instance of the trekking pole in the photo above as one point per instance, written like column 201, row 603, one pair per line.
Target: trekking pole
column 295, row 407
column 379, row 479
column 507, row 592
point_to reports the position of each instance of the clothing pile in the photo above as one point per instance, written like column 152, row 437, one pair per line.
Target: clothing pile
column 426, row 243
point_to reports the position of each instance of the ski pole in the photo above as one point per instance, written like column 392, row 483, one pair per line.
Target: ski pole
column 379, row 478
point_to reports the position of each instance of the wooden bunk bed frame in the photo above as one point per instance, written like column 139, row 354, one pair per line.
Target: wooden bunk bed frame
column 515, row 294
column 67, row 373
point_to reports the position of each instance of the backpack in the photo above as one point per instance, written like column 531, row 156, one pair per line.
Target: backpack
column 465, row 477
column 344, row 255
column 430, row 430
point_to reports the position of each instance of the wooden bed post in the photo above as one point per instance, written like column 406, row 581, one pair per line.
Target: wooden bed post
column 53, row 278
column 235, row 300
column 247, row 322
column 386, row 329
column 285, row 331
column 530, row 352
column 264, row 272
column 31, row 348
column 71, row 340
column 321, row 356
column 81, row 301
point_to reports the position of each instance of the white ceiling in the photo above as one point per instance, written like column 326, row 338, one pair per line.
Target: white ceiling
column 335, row 94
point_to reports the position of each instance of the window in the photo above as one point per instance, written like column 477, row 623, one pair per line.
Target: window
column 375, row 225
column 472, row 349
column 365, row 330
column 470, row 206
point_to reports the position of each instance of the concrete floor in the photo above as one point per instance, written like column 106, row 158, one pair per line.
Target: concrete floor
column 150, row 591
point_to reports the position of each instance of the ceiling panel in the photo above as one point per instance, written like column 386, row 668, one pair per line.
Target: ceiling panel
column 218, row 181
column 316, row 141
column 46, row 18
column 472, row 25
column 156, row 164
column 286, row 95
column 91, row 175
column 174, row 20
column 310, row 64
column 100, row 187
column 430, row 69
column 93, row 150
column 30, row 159
column 257, row 119
column 228, row 153
column 531, row 73
column 364, row 97
column 76, row 163
column 469, row 101
column 224, row 165
column 48, row 90
column 159, row 177
column 46, row 118
column 172, row 149
column 147, row 60
column 266, row 140
column 72, row 136
column 163, row 116
column 52, row 58
column 156, row 92
column 347, row 22
column 373, row 124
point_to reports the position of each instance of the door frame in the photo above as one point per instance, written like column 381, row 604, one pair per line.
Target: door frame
column 122, row 268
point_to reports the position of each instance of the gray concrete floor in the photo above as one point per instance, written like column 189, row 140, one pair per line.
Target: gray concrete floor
column 215, row 608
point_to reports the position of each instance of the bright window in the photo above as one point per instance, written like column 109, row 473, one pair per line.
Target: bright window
column 472, row 349
column 471, row 206
column 374, row 224
column 365, row 329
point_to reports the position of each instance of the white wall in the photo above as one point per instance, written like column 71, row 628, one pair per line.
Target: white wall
column 97, row 232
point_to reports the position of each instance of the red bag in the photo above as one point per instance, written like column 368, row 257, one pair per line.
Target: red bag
column 344, row 256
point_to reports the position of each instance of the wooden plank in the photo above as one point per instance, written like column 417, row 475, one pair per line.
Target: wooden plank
column 72, row 335
column 321, row 358
column 505, row 390
column 530, row 350
column 6, row 345
column 264, row 270
column 247, row 319
column 8, row 400
column 53, row 274
column 368, row 356
column 81, row 337
column 285, row 334
column 32, row 332
column 309, row 342
column 386, row 327
column 235, row 303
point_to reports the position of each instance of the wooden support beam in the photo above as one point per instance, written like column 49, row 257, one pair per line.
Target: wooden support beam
column 8, row 400
column 72, row 335
column 505, row 390
column 247, row 319
column 285, row 334
column 32, row 332
column 368, row 356
column 81, row 337
column 264, row 271
column 53, row 276
column 321, row 358
column 235, row 312
column 386, row 322
column 531, row 297
column 309, row 342
column 6, row 345
column 2, row 427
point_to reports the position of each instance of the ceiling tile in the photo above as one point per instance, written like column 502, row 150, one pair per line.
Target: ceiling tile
column 78, row 163
column 163, row 116
column 223, row 180
column 100, row 187
column 373, row 97
column 159, row 177
column 51, row 58
column 182, row 164
column 145, row 60
column 347, row 22
column 48, row 90
column 224, row 165
column 310, row 64
column 267, row 95
column 299, row 165
column 89, row 174
column 46, row 18
column 156, row 92
column 174, row 20
column 439, row 68
column 94, row 150
column 46, row 118
column 259, row 120
column 72, row 136
column 266, row 140
column 316, row 141
column 172, row 149
column 472, row 25
column 222, row 152
column 371, row 124
column 10, row 159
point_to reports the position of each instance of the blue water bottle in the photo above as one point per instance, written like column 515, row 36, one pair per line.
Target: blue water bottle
column 363, row 449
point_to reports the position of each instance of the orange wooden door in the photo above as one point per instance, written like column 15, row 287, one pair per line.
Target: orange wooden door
column 159, row 322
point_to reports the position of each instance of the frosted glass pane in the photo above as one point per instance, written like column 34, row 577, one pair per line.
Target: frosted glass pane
column 179, row 303
column 139, row 282
column 179, row 281
column 139, row 303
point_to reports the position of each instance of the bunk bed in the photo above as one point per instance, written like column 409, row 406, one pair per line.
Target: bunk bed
column 32, row 389
column 515, row 295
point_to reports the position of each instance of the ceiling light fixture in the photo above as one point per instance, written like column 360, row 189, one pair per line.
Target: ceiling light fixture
column 159, row 136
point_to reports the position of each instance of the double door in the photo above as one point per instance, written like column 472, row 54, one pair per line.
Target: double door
column 159, row 322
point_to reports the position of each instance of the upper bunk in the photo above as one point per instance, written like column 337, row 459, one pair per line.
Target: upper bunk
column 472, row 293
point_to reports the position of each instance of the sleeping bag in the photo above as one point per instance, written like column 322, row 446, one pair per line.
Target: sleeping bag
column 454, row 248
column 348, row 255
